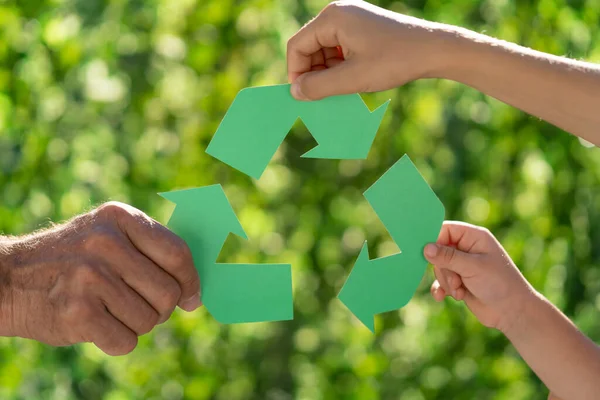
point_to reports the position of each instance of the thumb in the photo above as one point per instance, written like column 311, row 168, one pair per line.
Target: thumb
column 343, row 78
column 447, row 257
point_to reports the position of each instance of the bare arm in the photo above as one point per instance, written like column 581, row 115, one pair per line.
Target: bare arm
column 358, row 47
column 559, row 90
column 565, row 359
column 499, row 296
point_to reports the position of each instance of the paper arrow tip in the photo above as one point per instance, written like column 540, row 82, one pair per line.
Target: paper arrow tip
column 208, row 197
column 357, row 143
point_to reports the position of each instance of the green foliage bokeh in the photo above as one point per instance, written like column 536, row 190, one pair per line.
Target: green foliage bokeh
column 117, row 100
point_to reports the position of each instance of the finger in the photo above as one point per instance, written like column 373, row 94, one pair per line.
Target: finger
column 110, row 335
column 172, row 255
column 442, row 277
column 343, row 78
column 311, row 38
column 129, row 307
column 437, row 291
column 331, row 53
column 460, row 293
column 333, row 56
column 454, row 280
column 449, row 280
column 461, row 235
column 164, row 248
column 317, row 58
column 332, row 62
column 156, row 286
column 450, row 258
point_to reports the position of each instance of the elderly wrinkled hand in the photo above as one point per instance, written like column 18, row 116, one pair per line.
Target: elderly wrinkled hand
column 104, row 277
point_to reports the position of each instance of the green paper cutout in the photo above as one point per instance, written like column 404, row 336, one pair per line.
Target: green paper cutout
column 232, row 293
column 413, row 215
column 260, row 118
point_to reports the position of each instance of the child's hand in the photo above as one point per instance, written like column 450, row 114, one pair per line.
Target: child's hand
column 495, row 291
column 492, row 286
column 358, row 47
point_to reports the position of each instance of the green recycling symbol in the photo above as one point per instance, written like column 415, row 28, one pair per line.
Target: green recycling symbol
column 251, row 131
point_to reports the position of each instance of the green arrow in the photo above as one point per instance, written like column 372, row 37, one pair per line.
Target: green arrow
column 232, row 293
column 413, row 215
column 260, row 118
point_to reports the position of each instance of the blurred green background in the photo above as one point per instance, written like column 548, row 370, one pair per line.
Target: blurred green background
column 117, row 100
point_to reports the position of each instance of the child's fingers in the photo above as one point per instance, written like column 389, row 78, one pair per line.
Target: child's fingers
column 445, row 257
column 317, row 58
column 458, row 234
column 437, row 291
column 344, row 77
column 460, row 293
column 333, row 53
column 332, row 62
column 454, row 280
column 442, row 278
column 449, row 280
column 309, row 40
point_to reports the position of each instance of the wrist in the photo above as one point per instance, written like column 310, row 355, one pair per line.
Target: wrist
column 520, row 321
column 445, row 48
column 456, row 52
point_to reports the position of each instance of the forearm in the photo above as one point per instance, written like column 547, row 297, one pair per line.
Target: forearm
column 558, row 90
column 562, row 357
column 5, row 300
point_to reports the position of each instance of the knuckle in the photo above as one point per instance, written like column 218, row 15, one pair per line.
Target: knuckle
column 291, row 44
column 484, row 231
column 181, row 253
column 88, row 274
column 78, row 311
column 112, row 210
column 145, row 222
column 333, row 7
column 448, row 255
column 148, row 324
column 174, row 294
column 180, row 258
column 168, row 298
column 100, row 238
column 140, row 217
column 486, row 236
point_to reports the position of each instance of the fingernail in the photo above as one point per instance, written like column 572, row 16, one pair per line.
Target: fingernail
column 431, row 250
column 297, row 92
column 192, row 303
column 454, row 293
